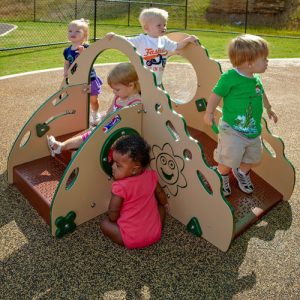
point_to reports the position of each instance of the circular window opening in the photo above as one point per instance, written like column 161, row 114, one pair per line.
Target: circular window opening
column 106, row 153
column 180, row 80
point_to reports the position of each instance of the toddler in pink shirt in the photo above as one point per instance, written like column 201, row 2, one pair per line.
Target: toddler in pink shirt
column 138, row 204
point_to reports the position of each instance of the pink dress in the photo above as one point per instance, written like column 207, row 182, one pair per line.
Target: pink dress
column 139, row 220
column 117, row 104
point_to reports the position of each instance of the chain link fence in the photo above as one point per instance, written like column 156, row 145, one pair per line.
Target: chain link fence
column 32, row 23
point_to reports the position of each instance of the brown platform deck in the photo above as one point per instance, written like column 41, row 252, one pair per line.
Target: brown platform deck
column 37, row 180
column 247, row 208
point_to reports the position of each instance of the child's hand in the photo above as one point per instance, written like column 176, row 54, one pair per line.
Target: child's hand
column 209, row 118
column 80, row 49
column 193, row 39
column 167, row 207
column 110, row 35
column 186, row 41
column 272, row 115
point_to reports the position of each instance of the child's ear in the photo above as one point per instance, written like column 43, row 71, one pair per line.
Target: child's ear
column 131, row 84
column 136, row 169
column 145, row 27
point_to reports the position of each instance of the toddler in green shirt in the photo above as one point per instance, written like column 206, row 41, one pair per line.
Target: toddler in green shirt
column 239, row 142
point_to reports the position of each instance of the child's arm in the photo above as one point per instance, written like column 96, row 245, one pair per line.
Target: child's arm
column 110, row 35
column 268, row 107
column 66, row 68
column 111, row 108
column 184, row 42
column 114, row 208
column 212, row 103
column 80, row 49
column 161, row 197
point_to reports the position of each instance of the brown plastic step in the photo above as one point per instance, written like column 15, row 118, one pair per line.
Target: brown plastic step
column 248, row 209
column 37, row 180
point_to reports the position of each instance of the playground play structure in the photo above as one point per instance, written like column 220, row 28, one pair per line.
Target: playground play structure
column 70, row 190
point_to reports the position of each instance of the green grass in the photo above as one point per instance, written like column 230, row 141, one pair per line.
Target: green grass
column 18, row 61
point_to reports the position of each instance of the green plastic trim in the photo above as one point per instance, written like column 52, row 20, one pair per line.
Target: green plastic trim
column 215, row 128
column 194, row 227
column 220, row 67
column 105, row 164
column 206, row 51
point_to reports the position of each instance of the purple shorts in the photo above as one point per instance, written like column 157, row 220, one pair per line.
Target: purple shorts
column 96, row 86
column 86, row 135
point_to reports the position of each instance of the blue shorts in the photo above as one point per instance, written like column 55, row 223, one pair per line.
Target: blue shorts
column 96, row 86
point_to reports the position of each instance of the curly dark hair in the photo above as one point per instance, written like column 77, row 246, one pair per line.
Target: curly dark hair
column 135, row 147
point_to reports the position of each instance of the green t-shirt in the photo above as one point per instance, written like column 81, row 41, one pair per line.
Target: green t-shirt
column 242, row 102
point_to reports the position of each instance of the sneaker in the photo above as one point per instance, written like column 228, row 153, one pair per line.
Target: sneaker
column 95, row 118
column 226, row 186
column 243, row 180
column 54, row 145
column 225, row 183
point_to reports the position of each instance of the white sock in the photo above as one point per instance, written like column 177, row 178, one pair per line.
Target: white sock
column 241, row 172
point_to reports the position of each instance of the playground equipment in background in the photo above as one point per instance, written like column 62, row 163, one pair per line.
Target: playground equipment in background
column 69, row 191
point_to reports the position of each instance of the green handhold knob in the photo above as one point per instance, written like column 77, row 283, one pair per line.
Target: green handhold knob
column 194, row 227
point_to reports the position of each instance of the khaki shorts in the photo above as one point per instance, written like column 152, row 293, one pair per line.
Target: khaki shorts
column 234, row 149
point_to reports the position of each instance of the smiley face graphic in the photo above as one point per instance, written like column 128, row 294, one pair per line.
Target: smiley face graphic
column 169, row 168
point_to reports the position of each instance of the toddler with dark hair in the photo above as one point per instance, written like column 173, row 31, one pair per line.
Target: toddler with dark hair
column 138, row 204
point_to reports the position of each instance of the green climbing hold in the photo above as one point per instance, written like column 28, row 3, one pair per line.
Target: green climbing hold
column 201, row 104
column 41, row 129
column 65, row 224
column 194, row 227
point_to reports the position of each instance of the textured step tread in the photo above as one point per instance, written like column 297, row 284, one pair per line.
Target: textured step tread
column 43, row 175
column 37, row 181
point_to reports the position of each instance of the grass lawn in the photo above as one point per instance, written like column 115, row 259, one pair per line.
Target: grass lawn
column 18, row 61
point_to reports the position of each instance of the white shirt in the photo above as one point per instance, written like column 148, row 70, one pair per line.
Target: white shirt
column 154, row 52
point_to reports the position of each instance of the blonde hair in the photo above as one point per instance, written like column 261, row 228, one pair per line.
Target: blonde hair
column 125, row 74
column 247, row 48
column 84, row 25
column 148, row 13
